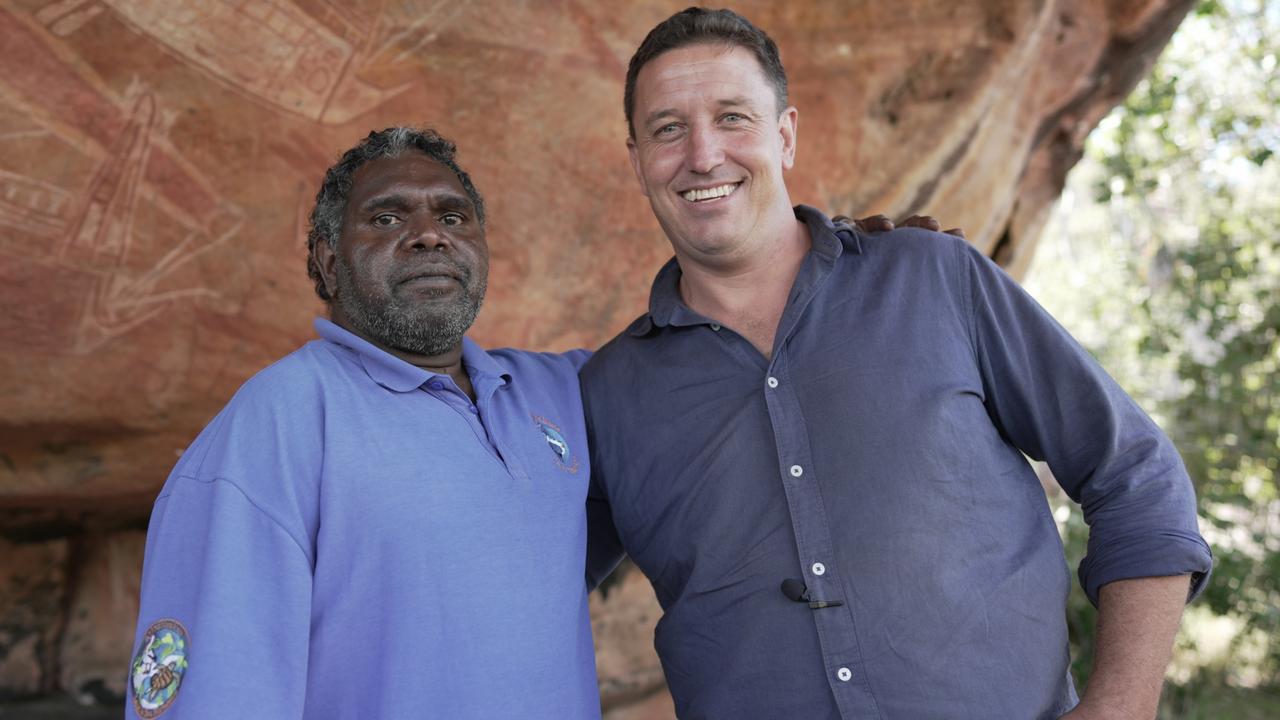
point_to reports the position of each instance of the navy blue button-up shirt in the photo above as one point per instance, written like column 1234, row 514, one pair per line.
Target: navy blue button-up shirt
column 876, row 461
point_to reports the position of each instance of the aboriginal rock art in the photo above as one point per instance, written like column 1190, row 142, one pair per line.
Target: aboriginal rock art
column 309, row 58
column 99, row 237
column 107, row 235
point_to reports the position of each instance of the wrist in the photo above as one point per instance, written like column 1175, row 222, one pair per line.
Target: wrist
column 1102, row 706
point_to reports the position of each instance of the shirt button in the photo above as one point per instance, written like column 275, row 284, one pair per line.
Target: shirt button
column 435, row 385
column 473, row 409
column 772, row 382
column 715, row 327
column 818, row 569
column 845, row 674
column 796, row 471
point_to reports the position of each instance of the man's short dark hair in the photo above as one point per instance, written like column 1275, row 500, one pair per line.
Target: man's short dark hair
column 699, row 25
column 331, row 200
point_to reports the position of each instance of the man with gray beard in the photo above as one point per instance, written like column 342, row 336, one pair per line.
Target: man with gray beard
column 328, row 546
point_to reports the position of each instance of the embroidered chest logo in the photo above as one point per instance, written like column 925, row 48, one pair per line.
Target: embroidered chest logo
column 564, row 457
column 156, row 673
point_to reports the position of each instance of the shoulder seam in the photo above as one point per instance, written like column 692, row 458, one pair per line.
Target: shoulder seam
column 268, row 515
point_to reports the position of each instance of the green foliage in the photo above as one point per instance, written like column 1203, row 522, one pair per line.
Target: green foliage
column 1219, row 703
column 1182, row 296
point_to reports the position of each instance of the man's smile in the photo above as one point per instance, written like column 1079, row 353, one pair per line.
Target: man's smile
column 710, row 193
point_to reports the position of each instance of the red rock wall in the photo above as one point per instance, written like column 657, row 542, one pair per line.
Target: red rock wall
column 158, row 159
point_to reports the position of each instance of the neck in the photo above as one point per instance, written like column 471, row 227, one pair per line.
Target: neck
column 448, row 362
column 749, row 295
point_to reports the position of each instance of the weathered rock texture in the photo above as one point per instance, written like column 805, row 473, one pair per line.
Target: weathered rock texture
column 96, row 642
column 623, row 617
column 33, row 590
column 157, row 160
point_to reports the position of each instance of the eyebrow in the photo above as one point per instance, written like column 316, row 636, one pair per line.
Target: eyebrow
column 739, row 100
column 453, row 201
column 401, row 201
column 736, row 101
column 656, row 115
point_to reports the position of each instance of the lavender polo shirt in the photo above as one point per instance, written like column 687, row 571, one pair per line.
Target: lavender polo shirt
column 352, row 538
column 875, row 461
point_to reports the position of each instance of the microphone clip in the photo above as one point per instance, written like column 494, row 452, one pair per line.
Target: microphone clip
column 796, row 591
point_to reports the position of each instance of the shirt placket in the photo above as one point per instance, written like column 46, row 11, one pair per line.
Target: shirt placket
column 833, row 615
column 501, row 431
column 820, row 572
column 476, row 415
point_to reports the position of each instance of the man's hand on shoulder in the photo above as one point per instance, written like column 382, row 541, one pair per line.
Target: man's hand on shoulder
column 869, row 224
column 881, row 223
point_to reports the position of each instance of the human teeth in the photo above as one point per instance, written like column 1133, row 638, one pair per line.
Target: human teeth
column 708, row 193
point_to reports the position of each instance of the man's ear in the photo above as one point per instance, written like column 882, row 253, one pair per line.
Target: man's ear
column 326, row 261
column 787, row 129
column 634, row 153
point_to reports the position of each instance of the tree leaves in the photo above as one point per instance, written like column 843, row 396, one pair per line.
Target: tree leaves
column 1183, row 304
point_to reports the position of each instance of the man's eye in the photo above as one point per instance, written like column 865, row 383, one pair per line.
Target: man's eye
column 453, row 218
column 385, row 220
column 666, row 130
column 734, row 117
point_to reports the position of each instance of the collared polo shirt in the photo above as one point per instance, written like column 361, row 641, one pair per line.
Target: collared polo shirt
column 875, row 464
column 352, row 537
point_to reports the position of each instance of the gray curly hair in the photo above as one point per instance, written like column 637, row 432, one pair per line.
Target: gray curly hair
column 331, row 200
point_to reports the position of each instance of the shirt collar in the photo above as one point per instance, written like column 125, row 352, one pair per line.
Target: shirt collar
column 828, row 241
column 397, row 375
column 486, row 373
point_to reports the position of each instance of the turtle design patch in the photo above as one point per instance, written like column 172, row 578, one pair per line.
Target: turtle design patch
column 156, row 673
column 564, row 457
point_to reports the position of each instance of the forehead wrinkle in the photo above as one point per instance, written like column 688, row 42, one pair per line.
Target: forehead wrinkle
column 403, row 179
column 719, row 92
column 704, row 80
column 407, row 171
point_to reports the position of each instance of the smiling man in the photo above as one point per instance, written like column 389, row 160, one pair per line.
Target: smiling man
column 812, row 443
column 330, row 545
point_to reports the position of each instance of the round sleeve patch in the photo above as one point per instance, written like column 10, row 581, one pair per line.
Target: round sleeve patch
column 156, row 673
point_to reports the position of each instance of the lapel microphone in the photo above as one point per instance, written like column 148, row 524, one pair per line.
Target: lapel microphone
column 796, row 591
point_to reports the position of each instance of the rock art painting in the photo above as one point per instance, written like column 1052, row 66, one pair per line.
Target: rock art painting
column 306, row 59
column 105, row 232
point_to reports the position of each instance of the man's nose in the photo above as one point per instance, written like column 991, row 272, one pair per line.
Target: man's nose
column 706, row 150
column 424, row 234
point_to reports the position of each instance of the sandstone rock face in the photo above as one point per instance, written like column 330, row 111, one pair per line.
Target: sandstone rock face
column 657, row 706
column 158, row 159
column 33, row 586
column 623, row 619
column 98, row 639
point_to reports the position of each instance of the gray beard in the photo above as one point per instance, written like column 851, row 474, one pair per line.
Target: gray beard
column 429, row 329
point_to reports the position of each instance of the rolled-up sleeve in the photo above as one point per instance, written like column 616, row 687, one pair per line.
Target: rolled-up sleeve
column 1054, row 402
